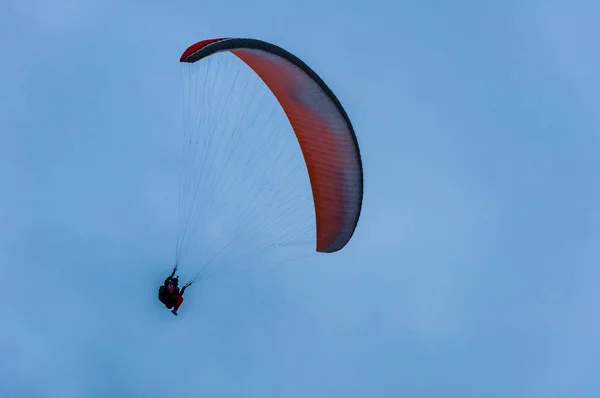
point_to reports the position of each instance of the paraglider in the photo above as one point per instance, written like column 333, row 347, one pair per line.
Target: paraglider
column 169, row 293
column 248, row 187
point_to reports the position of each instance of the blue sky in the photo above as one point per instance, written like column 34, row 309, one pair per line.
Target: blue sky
column 473, row 272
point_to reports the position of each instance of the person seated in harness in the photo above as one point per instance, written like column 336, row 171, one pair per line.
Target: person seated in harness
column 169, row 293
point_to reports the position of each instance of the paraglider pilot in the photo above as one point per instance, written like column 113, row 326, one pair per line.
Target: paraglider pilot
column 169, row 293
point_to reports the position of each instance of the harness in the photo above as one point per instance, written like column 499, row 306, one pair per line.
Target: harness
column 166, row 297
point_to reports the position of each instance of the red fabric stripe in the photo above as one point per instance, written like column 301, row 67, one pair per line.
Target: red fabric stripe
column 195, row 47
column 322, row 147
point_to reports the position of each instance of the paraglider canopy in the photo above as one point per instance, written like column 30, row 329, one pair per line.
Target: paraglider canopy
column 321, row 125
